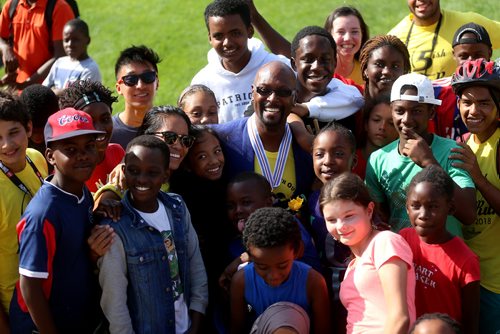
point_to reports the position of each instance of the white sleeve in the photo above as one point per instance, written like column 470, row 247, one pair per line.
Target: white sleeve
column 113, row 280
column 340, row 102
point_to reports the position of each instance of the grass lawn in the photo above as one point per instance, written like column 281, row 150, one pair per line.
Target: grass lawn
column 176, row 30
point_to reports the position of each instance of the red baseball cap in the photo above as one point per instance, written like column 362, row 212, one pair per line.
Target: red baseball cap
column 68, row 123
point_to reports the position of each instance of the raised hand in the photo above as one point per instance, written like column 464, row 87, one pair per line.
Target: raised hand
column 416, row 148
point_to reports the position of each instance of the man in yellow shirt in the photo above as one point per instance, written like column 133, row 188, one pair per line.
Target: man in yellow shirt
column 428, row 33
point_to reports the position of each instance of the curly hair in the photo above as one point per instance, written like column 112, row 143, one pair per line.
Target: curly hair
column 137, row 54
column 309, row 31
column 271, row 227
column 78, row 89
column 41, row 102
column 349, row 11
column 228, row 7
column 441, row 182
column 378, row 42
column 452, row 323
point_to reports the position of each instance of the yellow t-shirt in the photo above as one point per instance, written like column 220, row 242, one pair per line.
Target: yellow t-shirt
column 482, row 236
column 288, row 181
column 356, row 73
column 13, row 202
column 439, row 63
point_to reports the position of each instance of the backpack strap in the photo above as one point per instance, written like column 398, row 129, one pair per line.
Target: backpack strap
column 12, row 11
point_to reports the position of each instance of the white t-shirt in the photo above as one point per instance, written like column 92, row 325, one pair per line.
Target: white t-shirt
column 159, row 220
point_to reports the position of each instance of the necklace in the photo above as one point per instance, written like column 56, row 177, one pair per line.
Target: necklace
column 428, row 62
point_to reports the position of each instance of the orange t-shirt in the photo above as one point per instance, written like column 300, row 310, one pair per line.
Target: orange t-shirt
column 32, row 46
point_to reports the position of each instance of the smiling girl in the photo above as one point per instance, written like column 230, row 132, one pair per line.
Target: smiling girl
column 378, row 290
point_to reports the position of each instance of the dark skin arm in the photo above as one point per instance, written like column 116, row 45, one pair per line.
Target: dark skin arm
column 317, row 295
column 43, row 70
column 4, row 322
column 470, row 307
column 238, row 304
column 38, row 306
column 272, row 39
column 300, row 133
column 466, row 159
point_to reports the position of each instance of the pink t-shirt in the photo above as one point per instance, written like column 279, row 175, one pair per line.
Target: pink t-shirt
column 441, row 270
column 361, row 291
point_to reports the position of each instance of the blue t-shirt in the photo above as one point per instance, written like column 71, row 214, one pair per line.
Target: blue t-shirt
column 259, row 295
column 53, row 247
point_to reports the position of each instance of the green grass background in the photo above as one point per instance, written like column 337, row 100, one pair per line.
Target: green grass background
column 176, row 30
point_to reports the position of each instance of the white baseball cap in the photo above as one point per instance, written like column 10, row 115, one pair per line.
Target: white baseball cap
column 425, row 92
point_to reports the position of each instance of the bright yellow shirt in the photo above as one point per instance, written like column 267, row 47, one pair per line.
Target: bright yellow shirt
column 438, row 62
column 13, row 202
column 288, row 181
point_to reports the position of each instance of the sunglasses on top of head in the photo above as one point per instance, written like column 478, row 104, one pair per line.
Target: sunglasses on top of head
column 132, row 79
column 171, row 138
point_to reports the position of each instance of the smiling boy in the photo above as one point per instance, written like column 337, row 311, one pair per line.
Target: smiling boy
column 234, row 58
column 56, row 290
column 391, row 168
column 136, row 71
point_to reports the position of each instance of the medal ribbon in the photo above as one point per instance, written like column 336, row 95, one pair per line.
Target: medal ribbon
column 279, row 168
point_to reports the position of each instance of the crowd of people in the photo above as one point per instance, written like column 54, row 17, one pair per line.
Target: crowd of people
column 337, row 183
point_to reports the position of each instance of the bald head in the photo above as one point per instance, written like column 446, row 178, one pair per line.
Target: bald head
column 273, row 69
column 273, row 94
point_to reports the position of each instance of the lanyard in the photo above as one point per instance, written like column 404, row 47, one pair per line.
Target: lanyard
column 14, row 179
column 279, row 168
column 434, row 39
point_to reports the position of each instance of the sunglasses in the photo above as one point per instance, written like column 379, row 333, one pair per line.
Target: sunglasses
column 132, row 79
column 171, row 138
column 266, row 92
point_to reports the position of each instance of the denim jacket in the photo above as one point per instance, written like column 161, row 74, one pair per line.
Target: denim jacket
column 138, row 264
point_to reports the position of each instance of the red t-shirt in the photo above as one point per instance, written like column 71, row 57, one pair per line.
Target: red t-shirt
column 113, row 156
column 32, row 46
column 441, row 271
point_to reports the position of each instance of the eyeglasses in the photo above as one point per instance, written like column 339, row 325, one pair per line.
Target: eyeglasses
column 132, row 79
column 266, row 92
column 171, row 138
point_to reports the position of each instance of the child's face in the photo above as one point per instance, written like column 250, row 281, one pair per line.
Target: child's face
column 427, row 210
column 464, row 52
column 75, row 42
column 384, row 66
column 176, row 124
column 75, row 158
column 411, row 116
column 433, row 326
column 380, row 128
column 332, row 155
column 346, row 30
column 201, row 108
column 273, row 264
column 206, row 158
column 314, row 62
column 142, row 94
column 229, row 36
column 243, row 198
column 101, row 117
column 478, row 110
column 13, row 144
column 349, row 222
column 145, row 173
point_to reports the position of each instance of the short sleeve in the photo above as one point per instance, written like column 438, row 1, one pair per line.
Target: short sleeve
column 470, row 269
column 5, row 21
column 37, row 245
column 388, row 245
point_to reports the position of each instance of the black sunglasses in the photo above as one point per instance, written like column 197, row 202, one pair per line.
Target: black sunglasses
column 171, row 138
column 132, row 79
column 266, row 92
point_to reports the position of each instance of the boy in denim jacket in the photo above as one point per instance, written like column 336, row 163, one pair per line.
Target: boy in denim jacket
column 153, row 278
